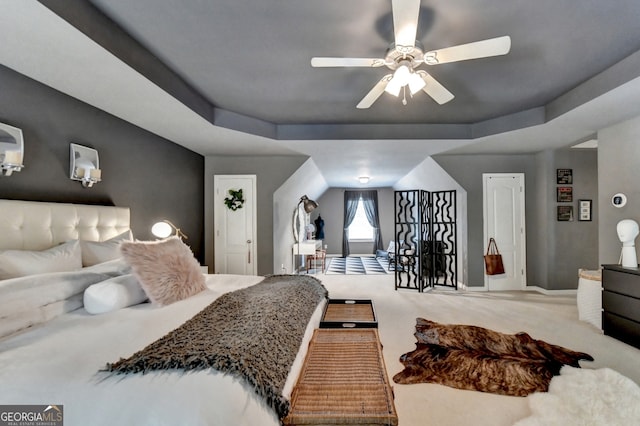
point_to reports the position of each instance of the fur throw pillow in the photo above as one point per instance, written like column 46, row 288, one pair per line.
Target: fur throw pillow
column 166, row 269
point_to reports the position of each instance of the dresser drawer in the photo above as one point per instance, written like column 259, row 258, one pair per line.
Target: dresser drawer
column 621, row 305
column 621, row 282
column 622, row 329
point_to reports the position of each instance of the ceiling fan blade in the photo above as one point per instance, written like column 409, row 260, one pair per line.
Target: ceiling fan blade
column 375, row 93
column 346, row 62
column 405, row 21
column 434, row 89
column 478, row 49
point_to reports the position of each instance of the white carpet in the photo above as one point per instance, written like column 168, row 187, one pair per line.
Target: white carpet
column 550, row 318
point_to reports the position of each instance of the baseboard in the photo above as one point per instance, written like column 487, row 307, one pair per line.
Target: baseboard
column 567, row 292
column 471, row 289
column 351, row 255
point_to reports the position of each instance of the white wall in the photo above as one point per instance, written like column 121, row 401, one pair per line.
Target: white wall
column 429, row 176
column 307, row 180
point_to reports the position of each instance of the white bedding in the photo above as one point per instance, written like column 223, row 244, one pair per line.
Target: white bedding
column 59, row 362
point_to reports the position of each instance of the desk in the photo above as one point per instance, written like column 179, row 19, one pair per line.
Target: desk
column 304, row 248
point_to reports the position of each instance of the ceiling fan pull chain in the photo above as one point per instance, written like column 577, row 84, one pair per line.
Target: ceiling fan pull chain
column 404, row 95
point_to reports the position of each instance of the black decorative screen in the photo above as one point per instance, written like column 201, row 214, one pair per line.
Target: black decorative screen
column 426, row 239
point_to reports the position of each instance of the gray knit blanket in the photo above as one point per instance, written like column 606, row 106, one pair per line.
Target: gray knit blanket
column 253, row 333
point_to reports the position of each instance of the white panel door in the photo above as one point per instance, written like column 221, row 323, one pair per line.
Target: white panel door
column 235, row 230
column 504, row 219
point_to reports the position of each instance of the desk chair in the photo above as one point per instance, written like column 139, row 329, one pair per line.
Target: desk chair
column 319, row 257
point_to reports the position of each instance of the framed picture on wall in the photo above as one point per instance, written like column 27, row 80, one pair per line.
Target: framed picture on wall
column 564, row 176
column 584, row 210
column 565, row 194
column 565, row 213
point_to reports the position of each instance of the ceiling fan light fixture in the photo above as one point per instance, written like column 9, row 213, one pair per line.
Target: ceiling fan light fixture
column 416, row 83
column 406, row 52
column 403, row 72
column 394, row 86
column 400, row 79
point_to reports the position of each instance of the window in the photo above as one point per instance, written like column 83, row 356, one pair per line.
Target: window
column 360, row 229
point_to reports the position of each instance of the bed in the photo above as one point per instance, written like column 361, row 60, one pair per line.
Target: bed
column 55, row 353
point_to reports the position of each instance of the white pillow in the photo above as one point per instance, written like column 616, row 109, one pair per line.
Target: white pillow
column 113, row 294
column 19, row 263
column 94, row 252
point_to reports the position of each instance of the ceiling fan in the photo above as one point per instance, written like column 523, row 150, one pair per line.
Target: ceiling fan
column 406, row 55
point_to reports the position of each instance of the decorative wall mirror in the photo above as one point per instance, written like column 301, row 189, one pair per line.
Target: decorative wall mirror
column 11, row 149
column 301, row 218
column 84, row 165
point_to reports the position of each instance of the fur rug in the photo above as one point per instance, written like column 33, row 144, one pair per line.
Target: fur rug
column 584, row 397
column 473, row 338
column 253, row 333
column 476, row 358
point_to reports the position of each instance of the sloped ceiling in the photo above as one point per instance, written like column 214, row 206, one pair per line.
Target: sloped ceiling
column 234, row 78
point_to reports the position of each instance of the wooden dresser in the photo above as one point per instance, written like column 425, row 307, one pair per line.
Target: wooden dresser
column 621, row 303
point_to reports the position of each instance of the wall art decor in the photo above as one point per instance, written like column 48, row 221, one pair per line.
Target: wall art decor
column 565, row 213
column 564, row 176
column 584, row 210
column 565, row 194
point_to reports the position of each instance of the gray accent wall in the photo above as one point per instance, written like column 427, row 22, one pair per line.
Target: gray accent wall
column 555, row 250
column 569, row 245
column 271, row 172
column 619, row 171
column 155, row 177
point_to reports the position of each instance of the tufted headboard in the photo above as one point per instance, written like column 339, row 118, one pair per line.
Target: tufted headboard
column 33, row 225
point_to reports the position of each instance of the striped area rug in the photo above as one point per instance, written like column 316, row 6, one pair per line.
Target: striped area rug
column 354, row 265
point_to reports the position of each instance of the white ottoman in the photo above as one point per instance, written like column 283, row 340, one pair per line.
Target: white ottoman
column 590, row 297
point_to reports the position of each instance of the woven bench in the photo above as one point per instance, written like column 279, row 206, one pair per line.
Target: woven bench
column 343, row 381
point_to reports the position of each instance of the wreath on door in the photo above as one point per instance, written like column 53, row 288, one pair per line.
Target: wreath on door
column 235, row 201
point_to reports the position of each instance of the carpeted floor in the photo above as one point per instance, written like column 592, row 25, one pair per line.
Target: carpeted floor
column 354, row 265
column 550, row 318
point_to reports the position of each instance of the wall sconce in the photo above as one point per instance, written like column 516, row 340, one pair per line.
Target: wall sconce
column 84, row 165
column 164, row 228
column 11, row 149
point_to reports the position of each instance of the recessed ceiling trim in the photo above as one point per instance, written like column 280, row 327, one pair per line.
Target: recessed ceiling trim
column 617, row 75
column 591, row 143
column 508, row 123
column 89, row 20
column 242, row 123
column 373, row 131
column 102, row 30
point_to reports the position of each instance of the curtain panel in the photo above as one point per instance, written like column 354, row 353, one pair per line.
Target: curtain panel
column 351, row 199
column 370, row 204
